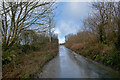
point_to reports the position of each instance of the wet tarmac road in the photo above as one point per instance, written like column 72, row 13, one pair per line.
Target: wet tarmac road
column 68, row 64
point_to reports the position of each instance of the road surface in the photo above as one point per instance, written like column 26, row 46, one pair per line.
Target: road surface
column 68, row 64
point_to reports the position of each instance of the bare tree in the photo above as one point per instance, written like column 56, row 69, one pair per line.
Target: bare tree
column 118, row 24
column 51, row 25
column 51, row 22
column 17, row 16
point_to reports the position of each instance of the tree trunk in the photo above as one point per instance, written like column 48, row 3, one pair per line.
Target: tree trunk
column 101, row 33
column 50, row 39
column 118, row 38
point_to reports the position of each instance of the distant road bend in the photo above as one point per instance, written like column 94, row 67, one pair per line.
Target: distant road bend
column 68, row 64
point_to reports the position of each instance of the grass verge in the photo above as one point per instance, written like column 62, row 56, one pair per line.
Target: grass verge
column 101, row 53
column 26, row 65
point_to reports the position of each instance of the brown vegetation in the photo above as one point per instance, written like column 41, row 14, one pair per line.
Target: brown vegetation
column 26, row 32
column 99, row 39
column 26, row 65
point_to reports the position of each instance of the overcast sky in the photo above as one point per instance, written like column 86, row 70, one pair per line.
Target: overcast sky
column 69, row 16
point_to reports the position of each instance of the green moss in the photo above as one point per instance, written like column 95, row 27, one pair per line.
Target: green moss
column 37, row 67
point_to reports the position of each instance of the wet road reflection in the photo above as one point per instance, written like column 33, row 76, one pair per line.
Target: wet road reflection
column 71, row 65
